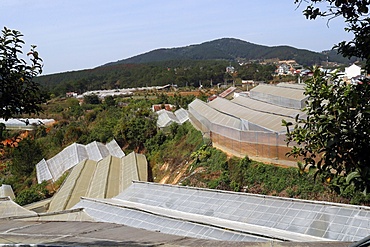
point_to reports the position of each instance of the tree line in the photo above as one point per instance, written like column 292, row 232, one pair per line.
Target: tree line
column 180, row 73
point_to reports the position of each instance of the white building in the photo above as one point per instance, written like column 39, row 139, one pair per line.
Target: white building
column 352, row 71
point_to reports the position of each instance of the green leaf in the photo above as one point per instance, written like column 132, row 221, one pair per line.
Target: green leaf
column 352, row 176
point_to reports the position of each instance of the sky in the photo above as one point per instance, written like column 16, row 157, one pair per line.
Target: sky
column 82, row 34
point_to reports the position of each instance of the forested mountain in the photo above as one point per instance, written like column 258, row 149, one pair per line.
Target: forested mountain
column 232, row 50
column 184, row 66
column 182, row 73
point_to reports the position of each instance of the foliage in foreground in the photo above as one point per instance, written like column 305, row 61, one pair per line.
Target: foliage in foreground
column 335, row 137
column 356, row 16
column 19, row 93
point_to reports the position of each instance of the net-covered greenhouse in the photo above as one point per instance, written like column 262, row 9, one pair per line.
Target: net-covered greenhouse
column 251, row 125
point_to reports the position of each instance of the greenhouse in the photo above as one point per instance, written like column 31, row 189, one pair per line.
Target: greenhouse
column 223, row 215
column 8, row 208
column 286, row 96
column 54, row 167
column 251, row 125
column 25, row 123
column 99, row 179
column 6, row 191
column 166, row 118
column 203, row 213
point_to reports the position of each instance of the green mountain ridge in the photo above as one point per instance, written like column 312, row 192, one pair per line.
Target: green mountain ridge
column 182, row 66
column 232, row 49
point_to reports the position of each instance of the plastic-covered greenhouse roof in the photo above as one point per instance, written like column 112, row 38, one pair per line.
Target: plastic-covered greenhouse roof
column 54, row 167
column 78, row 215
column 182, row 115
column 300, row 86
column 214, row 214
column 157, row 219
column 8, row 208
column 286, row 92
column 282, row 96
column 265, row 120
column 215, row 116
column 268, row 108
column 96, row 151
column 99, row 179
column 6, row 191
column 25, row 123
column 114, row 149
column 166, row 118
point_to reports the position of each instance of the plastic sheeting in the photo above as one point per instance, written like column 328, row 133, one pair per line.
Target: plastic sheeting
column 113, row 211
column 265, row 121
column 325, row 220
column 8, row 208
column 25, row 123
column 6, row 191
column 248, row 126
column 203, row 110
column 53, row 168
column 267, row 107
column 166, row 118
column 99, row 179
column 182, row 115
column 282, row 96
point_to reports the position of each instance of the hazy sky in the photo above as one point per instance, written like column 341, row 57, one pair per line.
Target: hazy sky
column 79, row 34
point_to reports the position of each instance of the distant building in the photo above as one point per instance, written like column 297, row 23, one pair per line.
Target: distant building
column 227, row 92
column 352, row 71
column 71, row 94
column 247, row 83
column 158, row 107
column 283, row 69
column 230, row 69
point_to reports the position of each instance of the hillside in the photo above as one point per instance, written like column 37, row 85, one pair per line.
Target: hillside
column 183, row 66
column 232, row 50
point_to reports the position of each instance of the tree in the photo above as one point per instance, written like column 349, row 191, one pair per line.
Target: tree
column 109, row 101
column 19, row 93
column 91, row 99
column 335, row 137
column 25, row 156
column 356, row 16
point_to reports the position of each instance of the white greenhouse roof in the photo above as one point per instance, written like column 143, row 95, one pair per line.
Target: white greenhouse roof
column 182, row 115
column 8, row 208
column 54, row 167
column 277, row 95
column 99, row 179
column 286, row 92
column 6, row 191
column 25, row 123
column 114, row 149
column 166, row 118
column 214, row 214
column 213, row 116
column 267, row 107
column 264, row 120
column 300, row 86
column 157, row 219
